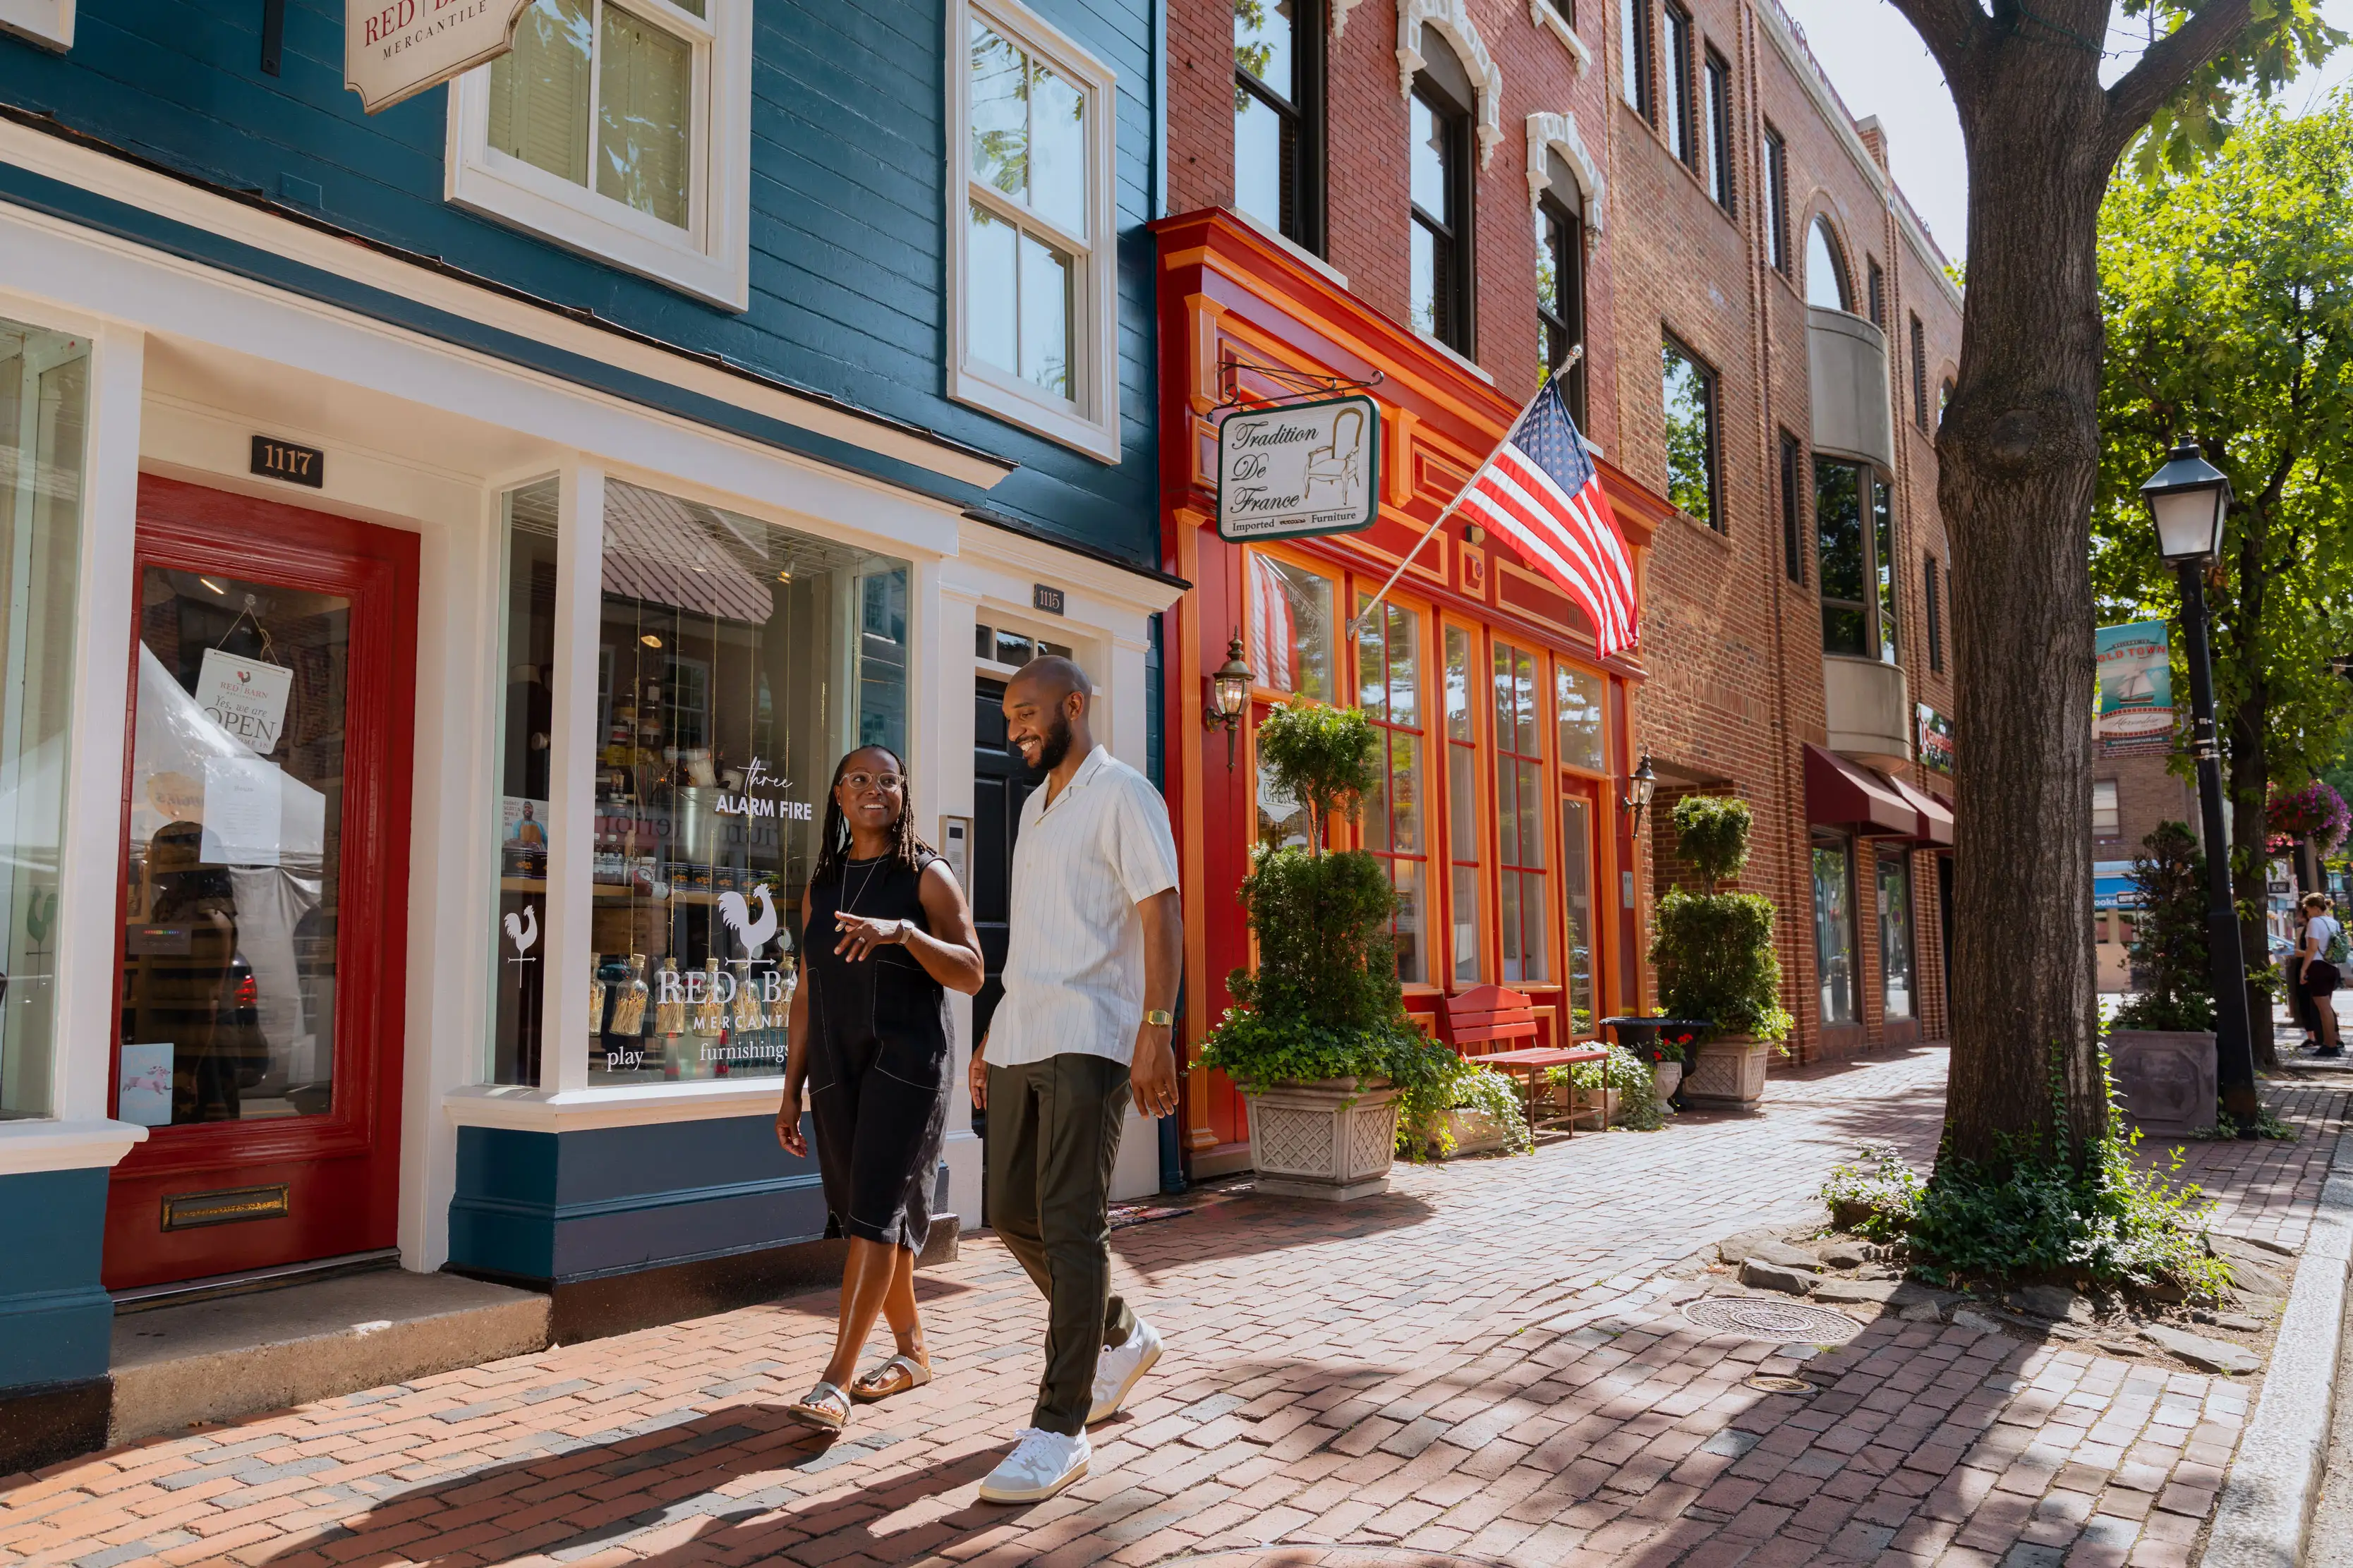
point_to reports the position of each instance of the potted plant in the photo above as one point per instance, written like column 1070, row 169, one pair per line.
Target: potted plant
column 1486, row 1116
column 1716, row 959
column 2161, row 1046
column 1318, row 1041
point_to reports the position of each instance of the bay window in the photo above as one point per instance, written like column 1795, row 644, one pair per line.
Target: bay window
column 1855, row 554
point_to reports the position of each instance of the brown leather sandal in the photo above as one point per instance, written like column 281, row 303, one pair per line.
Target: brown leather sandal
column 894, row 1376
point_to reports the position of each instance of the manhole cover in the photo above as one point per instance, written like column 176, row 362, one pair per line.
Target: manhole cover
column 1769, row 1384
column 1785, row 1322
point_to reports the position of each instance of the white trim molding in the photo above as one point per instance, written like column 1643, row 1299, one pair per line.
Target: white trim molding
column 48, row 23
column 709, row 257
column 1340, row 9
column 620, row 1105
column 1089, row 419
column 1547, row 133
column 1545, row 14
column 1452, row 21
column 75, row 1145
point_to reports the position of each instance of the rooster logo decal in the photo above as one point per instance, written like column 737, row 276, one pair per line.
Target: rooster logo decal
column 522, row 930
column 753, row 933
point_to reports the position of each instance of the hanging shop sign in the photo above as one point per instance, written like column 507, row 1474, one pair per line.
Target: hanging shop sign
column 2135, row 676
column 1935, row 747
column 245, row 696
column 1307, row 468
column 392, row 52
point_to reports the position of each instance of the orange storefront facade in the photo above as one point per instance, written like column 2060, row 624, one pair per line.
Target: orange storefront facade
column 1509, row 742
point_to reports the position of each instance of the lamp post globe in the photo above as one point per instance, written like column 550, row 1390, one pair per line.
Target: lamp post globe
column 2189, row 500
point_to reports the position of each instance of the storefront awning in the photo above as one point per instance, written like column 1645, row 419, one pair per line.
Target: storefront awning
column 1936, row 816
column 1841, row 794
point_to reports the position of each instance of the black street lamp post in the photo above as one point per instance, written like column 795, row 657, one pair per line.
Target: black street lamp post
column 2189, row 497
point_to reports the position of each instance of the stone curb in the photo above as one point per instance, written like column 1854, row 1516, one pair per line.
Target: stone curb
column 2274, row 1484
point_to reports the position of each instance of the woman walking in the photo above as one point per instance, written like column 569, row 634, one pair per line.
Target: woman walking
column 2318, row 949
column 885, row 934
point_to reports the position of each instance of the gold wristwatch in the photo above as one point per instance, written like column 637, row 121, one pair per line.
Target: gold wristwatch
column 1161, row 1018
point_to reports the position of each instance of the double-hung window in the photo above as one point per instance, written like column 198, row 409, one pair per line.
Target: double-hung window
column 1560, row 295
column 1441, row 187
column 1389, row 689
column 1920, row 374
column 1683, row 138
column 1720, row 184
column 1277, row 121
column 621, row 128
column 1931, row 595
column 1692, row 445
column 1793, row 549
column 1634, row 48
column 1854, row 546
column 1032, row 282
column 1777, row 200
column 1874, row 291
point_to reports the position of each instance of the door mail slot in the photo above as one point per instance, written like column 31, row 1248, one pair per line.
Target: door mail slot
column 187, row 1211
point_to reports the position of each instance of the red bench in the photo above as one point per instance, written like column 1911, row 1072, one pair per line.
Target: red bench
column 1486, row 1015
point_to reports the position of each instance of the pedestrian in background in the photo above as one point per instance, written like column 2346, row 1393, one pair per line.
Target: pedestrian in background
column 2319, row 951
column 1094, row 950
column 885, row 935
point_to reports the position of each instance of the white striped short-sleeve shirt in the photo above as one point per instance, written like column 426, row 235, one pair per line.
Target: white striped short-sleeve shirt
column 1074, row 955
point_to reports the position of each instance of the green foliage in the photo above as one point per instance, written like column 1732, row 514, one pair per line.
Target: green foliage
column 1325, row 758
column 1712, row 833
column 2281, row 38
column 1630, row 1075
column 1495, row 1096
column 2103, row 1219
column 1877, row 1195
column 1716, row 959
column 1323, row 928
column 2168, row 946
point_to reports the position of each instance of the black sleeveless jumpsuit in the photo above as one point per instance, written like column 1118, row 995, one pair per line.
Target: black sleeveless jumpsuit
column 878, row 1059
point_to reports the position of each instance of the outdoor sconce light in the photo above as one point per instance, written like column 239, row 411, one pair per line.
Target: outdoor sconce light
column 1639, row 790
column 1230, row 691
column 2188, row 498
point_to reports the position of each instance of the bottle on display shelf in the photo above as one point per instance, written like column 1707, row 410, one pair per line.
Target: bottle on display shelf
column 709, row 1013
column 595, row 995
column 747, row 1015
column 629, row 1007
column 670, row 1000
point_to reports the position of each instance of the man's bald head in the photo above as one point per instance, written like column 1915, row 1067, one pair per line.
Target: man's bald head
column 1046, row 712
column 1050, row 678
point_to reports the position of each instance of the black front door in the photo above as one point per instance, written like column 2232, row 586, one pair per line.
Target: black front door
column 1001, row 783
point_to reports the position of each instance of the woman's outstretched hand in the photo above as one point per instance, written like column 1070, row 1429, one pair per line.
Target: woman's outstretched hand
column 862, row 934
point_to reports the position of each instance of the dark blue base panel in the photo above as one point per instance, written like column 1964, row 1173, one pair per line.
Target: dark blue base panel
column 567, row 1206
column 56, row 1320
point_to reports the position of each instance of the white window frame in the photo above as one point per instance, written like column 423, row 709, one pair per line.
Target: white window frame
column 48, row 23
column 711, row 257
column 1090, row 421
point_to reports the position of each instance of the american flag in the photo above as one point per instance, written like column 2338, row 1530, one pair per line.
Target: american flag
column 1541, row 491
column 1274, row 634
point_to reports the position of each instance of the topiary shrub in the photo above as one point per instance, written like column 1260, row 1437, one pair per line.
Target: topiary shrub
column 2169, row 948
column 1324, row 1002
column 1714, row 950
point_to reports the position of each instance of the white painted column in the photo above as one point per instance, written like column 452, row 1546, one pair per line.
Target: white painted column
column 572, row 777
column 1121, row 700
column 948, row 793
column 106, row 592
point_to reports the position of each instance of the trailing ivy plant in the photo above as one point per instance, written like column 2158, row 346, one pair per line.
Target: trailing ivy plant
column 1630, row 1075
column 1714, row 950
column 1325, row 1001
column 1495, row 1097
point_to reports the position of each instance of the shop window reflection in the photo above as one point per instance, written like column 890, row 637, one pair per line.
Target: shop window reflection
column 518, row 976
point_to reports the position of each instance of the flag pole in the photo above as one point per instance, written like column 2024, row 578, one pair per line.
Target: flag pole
column 1354, row 625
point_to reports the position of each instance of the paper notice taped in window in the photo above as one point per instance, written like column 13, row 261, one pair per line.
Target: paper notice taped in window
column 242, row 806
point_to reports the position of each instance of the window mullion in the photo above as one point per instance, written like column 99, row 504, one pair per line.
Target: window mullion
column 595, row 89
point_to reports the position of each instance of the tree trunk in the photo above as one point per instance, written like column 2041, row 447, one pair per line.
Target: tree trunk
column 2019, row 457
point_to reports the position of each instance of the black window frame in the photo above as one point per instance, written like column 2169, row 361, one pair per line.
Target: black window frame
column 1793, row 541
column 1565, row 10
column 1560, row 322
column 1682, row 37
column 1638, row 45
column 1305, row 120
column 1454, row 230
column 1777, row 199
column 1717, row 106
column 1711, row 400
column 1874, row 291
column 1920, row 374
column 1875, row 531
column 1932, row 598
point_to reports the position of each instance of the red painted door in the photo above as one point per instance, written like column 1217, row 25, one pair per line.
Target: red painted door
column 263, row 887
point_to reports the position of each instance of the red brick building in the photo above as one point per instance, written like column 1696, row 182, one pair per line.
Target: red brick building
column 1435, row 199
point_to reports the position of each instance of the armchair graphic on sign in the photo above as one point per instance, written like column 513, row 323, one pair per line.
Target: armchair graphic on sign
column 1333, row 469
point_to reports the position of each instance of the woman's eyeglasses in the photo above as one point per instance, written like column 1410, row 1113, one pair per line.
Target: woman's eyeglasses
column 891, row 782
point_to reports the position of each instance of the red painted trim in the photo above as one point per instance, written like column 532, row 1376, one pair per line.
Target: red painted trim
column 343, row 1167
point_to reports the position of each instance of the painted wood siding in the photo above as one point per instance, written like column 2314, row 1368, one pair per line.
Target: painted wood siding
column 849, row 161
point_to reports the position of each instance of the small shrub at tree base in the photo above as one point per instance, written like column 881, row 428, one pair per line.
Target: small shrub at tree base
column 2169, row 948
column 1877, row 1195
column 1712, row 834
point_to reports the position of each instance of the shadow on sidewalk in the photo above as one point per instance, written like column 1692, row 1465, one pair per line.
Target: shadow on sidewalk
column 1247, row 1226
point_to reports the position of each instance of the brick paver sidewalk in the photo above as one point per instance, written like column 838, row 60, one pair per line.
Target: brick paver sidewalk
column 1486, row 1363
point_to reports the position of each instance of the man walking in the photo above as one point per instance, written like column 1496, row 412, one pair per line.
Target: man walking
column 1096, row 946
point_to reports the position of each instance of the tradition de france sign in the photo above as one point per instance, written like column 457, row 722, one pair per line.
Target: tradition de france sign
column 395, row 50
column 1309, row 468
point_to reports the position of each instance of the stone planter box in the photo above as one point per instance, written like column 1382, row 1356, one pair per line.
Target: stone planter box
column 1665, row 1078
column 1599, row 1103
column 1727, row 1071
column 2165, row 1078
column 1475, row 1132
column 1332, row 1140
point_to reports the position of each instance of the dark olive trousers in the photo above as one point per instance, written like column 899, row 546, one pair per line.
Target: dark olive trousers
column 1053, row 1137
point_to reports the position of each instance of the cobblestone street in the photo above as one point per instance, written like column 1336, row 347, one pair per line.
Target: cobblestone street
column 1486, row 1363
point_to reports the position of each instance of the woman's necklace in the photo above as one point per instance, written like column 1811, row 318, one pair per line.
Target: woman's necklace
column 850, row 905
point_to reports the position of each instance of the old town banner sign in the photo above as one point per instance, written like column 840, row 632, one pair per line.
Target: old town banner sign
column 395, row 51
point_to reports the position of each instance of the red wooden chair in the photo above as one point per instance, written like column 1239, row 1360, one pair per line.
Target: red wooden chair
column 1486, row 1015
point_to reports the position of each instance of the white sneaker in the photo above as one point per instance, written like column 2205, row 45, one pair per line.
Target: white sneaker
column 1120, row 1368
column 1041, row 1464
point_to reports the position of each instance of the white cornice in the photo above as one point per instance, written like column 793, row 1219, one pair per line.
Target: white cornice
column 29, row 1146
column 523, row 1110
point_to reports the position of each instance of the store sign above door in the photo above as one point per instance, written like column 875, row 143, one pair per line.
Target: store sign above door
column 1307, row 468
column 395, row 51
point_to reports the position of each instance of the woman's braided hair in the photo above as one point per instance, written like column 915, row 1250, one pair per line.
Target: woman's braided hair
column 833, row 843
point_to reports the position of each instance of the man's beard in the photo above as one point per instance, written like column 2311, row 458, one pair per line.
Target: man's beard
column 1056, row 746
